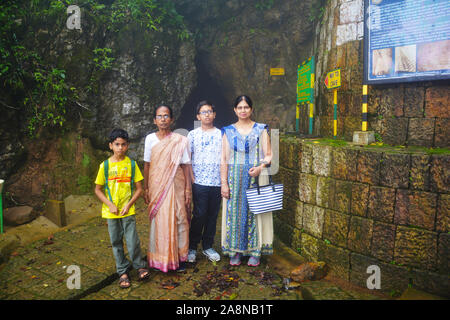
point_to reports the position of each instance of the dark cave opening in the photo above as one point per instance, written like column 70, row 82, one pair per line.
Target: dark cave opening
column 207, row 89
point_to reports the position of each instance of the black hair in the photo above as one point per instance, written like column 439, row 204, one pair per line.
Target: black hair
column 170, row 111
column 243, row 97
column 118, row 133
column 205, row 103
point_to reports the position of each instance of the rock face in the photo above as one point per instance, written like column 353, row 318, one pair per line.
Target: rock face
column 309, row 271
column 18, row 215
column 239, row 41
column 233, row 44
column 149, row 68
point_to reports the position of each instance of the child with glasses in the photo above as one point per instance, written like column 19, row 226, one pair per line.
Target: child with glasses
column 205, row 145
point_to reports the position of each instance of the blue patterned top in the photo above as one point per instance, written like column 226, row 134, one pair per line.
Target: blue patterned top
column 246, row 144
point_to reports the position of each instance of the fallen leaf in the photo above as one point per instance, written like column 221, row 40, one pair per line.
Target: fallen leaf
column 59, row 262
column 233, row 296
column 48, row 242
column 169, row 285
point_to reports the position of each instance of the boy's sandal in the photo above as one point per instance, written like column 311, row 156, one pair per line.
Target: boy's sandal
column 124, row 283
column 143, row 274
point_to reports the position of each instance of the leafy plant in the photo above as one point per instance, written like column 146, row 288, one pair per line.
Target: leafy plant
column 317, row 10
column 378, row 137
column 151, row 14
column 102, row 58
column 264, row 4
column 39, row 85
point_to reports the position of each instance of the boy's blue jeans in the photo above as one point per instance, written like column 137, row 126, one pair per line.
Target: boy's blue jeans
column 125, row 228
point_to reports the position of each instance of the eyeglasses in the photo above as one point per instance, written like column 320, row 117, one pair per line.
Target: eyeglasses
column 165, row 116
column 243, row 108
column 204, row 113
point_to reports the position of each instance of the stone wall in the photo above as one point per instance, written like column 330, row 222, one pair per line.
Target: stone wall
column 402, row 114
column 353, row 207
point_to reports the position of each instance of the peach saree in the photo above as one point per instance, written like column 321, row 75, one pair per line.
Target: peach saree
column 169, row 225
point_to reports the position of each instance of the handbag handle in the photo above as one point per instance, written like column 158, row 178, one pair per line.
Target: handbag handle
column 270, row 183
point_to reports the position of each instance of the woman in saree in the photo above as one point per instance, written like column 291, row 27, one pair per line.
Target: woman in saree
column 246, row 152
column 167, row 193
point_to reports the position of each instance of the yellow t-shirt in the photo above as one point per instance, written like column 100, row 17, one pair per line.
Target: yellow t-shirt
column 119, row 179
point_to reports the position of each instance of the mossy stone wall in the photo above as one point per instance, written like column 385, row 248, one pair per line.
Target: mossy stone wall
column 353, row 207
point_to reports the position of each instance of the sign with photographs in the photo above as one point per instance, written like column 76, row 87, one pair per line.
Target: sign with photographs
column 406, row 40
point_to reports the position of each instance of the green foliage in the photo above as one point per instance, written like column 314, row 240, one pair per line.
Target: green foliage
column 264, row 4
column 40, row 89
column 151, row 14
column 39, row 86
column 102, row 58
column 86, row 160
column 378, row 137
column 85, row 184
column 317, row 10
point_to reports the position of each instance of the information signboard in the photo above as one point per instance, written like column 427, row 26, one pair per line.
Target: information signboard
column 305, row 90
column 333, row 79
column 406, row 40
column 277, row 71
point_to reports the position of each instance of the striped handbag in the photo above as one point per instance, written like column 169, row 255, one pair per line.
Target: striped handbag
column 265, row 198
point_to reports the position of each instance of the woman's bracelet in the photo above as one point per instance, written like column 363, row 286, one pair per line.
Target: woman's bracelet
column 264, row 163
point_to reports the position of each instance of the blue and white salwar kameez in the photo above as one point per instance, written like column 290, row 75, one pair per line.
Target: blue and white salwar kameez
column 242, row 231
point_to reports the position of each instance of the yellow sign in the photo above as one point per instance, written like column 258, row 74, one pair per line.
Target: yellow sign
column 333, row 79
column 277, row 71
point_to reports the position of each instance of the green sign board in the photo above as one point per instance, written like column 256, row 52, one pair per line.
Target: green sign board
column 305, row 82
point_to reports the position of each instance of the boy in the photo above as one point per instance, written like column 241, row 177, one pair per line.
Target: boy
column 118, row 205
column 205, row 144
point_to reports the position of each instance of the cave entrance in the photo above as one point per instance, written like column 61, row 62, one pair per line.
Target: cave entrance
column 207, row 89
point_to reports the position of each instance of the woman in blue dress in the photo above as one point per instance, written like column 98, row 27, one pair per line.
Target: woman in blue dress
column 246, row 152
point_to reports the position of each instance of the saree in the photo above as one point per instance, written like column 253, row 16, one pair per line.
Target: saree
column 242, row 231
column 169, row 225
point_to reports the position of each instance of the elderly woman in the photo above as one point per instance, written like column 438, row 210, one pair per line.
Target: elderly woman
column 167, row 193
column 246, row 151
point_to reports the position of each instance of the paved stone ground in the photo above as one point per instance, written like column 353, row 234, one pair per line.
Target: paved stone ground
column 39, row 270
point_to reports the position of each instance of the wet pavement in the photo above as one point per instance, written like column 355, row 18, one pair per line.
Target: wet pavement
column 77, row 263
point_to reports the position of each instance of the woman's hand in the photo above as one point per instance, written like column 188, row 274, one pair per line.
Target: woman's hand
column 147, row 196
column 255, row 171
column 225, row 191
column 187, row 198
